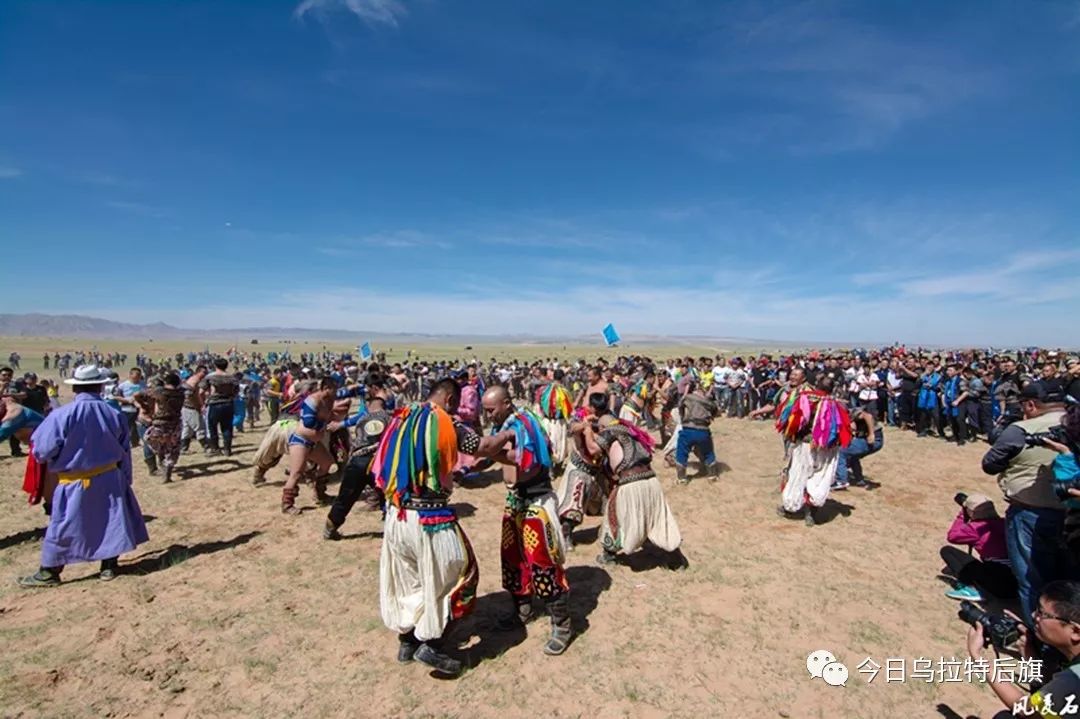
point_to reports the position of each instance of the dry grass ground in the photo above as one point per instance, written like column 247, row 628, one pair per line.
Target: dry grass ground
column 234, row 610
column 31, row 349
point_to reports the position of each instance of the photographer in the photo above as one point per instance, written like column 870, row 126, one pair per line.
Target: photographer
column 1035, row 516
column 978, row 527
column 1056, row 620
column 1067, row 475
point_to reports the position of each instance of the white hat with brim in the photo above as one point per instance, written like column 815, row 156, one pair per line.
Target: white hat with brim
column 88, row 374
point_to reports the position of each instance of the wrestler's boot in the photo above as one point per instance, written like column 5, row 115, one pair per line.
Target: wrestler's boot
column 523, row 614
column 407, row 645
column 561, row 629
column 430, row 653
column 677, row 560
column 330, row 532
column 714, row 471
column 109, row 569
column 371, row 498
column 568, row 534
column 680, row 475
column 151, row 463
column 168, row 471
column 319, row 485
column 44, row 577
column 288, row 500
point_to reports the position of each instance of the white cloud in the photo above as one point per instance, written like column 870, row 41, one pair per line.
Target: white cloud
column 1038, row 277
column 371, row 12
column 522, row 307
column 9, row 173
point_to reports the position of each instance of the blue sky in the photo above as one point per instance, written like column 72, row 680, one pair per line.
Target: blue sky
column 816, row 171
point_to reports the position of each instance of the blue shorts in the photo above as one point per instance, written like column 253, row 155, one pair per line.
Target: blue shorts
column 296, row 440
column 697, row 440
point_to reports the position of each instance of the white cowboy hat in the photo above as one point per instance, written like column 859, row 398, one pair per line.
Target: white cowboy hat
column 88, row 374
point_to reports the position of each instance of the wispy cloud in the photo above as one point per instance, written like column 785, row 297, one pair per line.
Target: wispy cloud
column 391, row 82
column 100, row 179
column 9, row 173
column 138, row 208
column 371, row 12
column 1025, row 278
column 1072, row 16
column 920, row 267
column 824, row 81
column 583, row 309
column 394, row 240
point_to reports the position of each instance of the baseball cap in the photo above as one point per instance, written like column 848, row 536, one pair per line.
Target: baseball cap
column 979, row 506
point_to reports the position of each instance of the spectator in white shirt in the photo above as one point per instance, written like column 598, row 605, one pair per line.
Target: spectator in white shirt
column 738, row 383
column 721, row 393
column 867, row 386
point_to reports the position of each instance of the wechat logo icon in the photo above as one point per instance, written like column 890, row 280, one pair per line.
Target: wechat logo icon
column 822, row 664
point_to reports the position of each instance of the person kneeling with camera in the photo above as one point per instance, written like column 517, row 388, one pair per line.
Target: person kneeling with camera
column 978, row 527
column 1057, row 624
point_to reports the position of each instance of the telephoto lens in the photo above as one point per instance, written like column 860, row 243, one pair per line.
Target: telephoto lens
column 999, row 630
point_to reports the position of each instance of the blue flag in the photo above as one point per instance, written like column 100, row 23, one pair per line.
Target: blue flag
column 611, row 336
column 365, row 351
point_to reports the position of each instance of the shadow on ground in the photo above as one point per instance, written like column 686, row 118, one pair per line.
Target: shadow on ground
column 37, row 533
column 208, row 468
column 179, row 553
column 586, row 586
column 831, row 510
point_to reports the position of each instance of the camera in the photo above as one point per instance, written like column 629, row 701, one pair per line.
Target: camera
column 999, row 630
column 1056, row 433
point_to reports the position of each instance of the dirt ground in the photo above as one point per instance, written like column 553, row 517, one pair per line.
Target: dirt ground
column 232, row 609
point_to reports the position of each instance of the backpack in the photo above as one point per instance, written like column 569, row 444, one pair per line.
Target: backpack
column 469, row 407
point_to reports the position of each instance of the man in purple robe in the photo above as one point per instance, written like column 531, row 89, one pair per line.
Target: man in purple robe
column 94, row 514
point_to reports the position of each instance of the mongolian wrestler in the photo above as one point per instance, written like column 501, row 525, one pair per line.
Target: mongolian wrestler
column 636, row 509
column 427, row 570
column 815, row 427
column 532, row 542
column 582, row 490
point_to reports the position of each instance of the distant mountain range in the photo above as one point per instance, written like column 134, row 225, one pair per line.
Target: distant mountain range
column 82, row 327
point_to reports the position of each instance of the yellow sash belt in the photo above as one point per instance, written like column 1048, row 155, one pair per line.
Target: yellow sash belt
column 86, row 475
